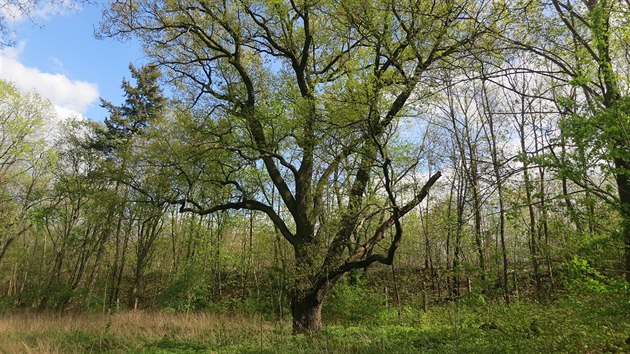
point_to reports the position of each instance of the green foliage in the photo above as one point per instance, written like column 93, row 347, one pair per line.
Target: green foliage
column 144, row 104
column 26, row 159
column 579, row 322
column 605, row 132
column 584, row 278
column 580, row 81
column 90, row 342
column 190, row 291
column 173, row 345
column 353, row 303
column 57, row 295
column 271, row 302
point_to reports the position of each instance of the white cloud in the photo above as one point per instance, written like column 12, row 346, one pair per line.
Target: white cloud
column 70, row 97
column 31, row 10
column 58, row 64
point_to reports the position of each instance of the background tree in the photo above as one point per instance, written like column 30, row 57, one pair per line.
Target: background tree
column 585, row 45
column 121, row 141
column 26, row 160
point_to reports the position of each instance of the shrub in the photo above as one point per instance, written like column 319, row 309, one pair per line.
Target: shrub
column 353, row 302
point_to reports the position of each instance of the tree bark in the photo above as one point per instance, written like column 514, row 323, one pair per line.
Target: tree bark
column 491, row 137
column 306, row 310
column 461, row 203
column 521, row 121
column 623, row 185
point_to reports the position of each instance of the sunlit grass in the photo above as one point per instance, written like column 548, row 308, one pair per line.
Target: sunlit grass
column 125, row 332
column 587, row 323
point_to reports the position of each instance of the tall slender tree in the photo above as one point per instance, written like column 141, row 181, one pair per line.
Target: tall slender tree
column 26, row 160
column 583, row 44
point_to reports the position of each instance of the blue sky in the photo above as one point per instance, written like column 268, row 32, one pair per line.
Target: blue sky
column 59, row 57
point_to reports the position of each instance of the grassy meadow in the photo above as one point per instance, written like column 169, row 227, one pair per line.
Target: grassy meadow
column 586, row 323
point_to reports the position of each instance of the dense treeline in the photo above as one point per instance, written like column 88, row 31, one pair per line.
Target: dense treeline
column 298, row 150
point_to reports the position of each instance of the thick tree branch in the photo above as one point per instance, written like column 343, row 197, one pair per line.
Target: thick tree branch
column 244, row 204
column 361, row 257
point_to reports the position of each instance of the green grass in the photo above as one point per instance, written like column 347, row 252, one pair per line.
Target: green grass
column 594, row 322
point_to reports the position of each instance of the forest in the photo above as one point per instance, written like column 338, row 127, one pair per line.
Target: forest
column 330, row 176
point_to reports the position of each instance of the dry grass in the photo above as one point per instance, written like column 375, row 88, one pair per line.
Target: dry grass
column 581, row 323
column 131, row 331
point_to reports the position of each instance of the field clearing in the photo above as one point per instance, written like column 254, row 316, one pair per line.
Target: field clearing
column 123, row 332
column 585, row 324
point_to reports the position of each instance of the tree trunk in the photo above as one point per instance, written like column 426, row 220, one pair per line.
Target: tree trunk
column 626, row 235
column 307, row 295
column 623, row 185
column 461, row 204
column 533, row 241
column 494, row 153
column 573, row 214
column 5, row 246
column 450, row 274
column 306, row 310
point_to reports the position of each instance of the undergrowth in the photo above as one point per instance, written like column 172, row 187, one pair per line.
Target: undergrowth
column 587, row 321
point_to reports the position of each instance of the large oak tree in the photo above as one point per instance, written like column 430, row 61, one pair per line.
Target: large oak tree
column 290, row 97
